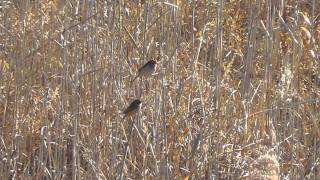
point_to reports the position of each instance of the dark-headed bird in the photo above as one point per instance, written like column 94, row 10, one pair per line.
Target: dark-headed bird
column 146, row 70
column 132, row 109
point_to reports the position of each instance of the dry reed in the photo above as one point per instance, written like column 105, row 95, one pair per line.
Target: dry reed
column 236, row 80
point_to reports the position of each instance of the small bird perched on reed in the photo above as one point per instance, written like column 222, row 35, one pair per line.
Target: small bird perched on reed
column 146, row 70
column 132, row 109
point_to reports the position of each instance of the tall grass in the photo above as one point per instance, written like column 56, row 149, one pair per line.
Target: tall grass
column 235, row 95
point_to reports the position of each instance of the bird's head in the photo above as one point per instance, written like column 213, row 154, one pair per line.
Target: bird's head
column 137, row 102
column 152, row 62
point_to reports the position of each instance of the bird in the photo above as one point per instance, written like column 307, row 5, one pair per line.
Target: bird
column 132, row 109
column 146, row 70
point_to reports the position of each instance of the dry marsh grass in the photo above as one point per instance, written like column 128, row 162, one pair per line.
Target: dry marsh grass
column 235, row 95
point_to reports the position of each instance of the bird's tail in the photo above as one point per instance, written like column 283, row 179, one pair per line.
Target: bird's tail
column 134, row 79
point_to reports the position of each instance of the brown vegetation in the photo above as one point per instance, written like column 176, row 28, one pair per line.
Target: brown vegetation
column 235, row 95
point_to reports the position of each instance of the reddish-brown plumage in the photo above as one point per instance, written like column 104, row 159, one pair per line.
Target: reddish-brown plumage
column 147, row 69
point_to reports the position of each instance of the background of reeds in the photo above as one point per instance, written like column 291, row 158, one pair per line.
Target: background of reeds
column 235, row 95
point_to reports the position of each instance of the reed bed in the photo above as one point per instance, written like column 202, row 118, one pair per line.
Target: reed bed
column 235, row 95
